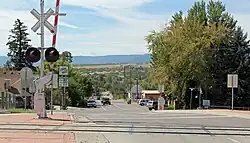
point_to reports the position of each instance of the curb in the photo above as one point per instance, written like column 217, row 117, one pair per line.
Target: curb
column 5, row 112
column 72, row 117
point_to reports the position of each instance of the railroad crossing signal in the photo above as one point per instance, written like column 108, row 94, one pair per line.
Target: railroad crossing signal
column 46, row 17
column 51, row 54
column 33, row 55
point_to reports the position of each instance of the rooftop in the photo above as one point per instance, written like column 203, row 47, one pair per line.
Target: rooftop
column 15, row 80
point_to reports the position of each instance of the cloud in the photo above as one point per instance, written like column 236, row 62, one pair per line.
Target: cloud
column 107, row 4
column 68, row 25
column 124, row 38
column 8, row 17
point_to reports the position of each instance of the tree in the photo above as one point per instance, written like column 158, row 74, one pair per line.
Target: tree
column 181, row 51
column 18, row 42
column 80, row 86
column 67, row 56
column 199, row 50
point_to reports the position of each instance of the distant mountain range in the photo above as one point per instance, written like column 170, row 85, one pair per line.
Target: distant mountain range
column 109, row 59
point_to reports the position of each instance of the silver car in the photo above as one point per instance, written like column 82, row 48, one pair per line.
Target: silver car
column 91, row 103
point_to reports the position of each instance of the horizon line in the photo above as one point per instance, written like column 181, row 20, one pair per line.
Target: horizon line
column 101, row 55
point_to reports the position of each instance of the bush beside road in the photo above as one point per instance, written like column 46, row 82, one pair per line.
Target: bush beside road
column 20, row 110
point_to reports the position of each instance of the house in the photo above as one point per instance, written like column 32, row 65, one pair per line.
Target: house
column 151, row 94
column 15, row 81
column 13, row 91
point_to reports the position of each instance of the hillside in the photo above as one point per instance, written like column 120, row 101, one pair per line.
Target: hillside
column 109, row 59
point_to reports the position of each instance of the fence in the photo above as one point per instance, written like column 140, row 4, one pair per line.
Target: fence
column 7, row 100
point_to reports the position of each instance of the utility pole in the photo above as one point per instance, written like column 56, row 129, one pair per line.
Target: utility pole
column 124, row 80
column 130, row 78
column 51, row 54
column 42, row 50
column 137, row 88
column 42, row 38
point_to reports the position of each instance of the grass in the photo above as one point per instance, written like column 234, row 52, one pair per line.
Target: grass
column 20, row 110
column 170, row 107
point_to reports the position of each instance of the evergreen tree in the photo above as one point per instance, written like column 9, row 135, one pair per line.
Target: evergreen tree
column 18, row 43
column 231, row 56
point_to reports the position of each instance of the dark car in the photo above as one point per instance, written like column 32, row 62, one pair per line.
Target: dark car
column 19, row 102
column 106, row 101
column 91, row 103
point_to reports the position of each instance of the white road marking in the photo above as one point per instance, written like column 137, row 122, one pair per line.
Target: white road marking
column 104, row 108
column 233, row 140
column 118, row 107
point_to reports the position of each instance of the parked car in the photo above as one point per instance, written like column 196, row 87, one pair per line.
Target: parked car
column 106, row 101
column 19, row 102
column 91, row 103
column 98, row 102
column 143, row 102
column 47, row 106
column 152, row 105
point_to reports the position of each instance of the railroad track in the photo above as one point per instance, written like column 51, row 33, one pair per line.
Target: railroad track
column 131, row 129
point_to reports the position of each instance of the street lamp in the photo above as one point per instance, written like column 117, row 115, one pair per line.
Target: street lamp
column 191, row 97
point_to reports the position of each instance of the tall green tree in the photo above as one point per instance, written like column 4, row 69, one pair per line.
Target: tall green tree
column 199, row 50
column 80, row 86
column 181, row 51
column 18, row 42
column 67, row 56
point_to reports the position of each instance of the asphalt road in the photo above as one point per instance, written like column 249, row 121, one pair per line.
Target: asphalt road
column 122, row 123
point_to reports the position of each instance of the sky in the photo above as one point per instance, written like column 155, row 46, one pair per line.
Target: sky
column 103, row 27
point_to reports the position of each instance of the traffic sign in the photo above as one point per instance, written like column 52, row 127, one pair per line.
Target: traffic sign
column 161, row 88
column 134, row 89
column 26, row 76
column 26, row 72
column 46, row 17
column 232, row 80
column 54, row 82
column 63, row 82
column 63, row 70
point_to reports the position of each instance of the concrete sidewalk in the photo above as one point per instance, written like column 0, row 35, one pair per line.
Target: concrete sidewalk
column 4, row 111
column 232, row 113
column 38, row 137
column 35, row 136
column 56, row 119
column 225, row 112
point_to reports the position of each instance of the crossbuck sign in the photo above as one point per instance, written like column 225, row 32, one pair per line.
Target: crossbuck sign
column 46, row 17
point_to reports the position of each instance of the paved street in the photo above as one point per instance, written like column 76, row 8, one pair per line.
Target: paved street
column 122, row 123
